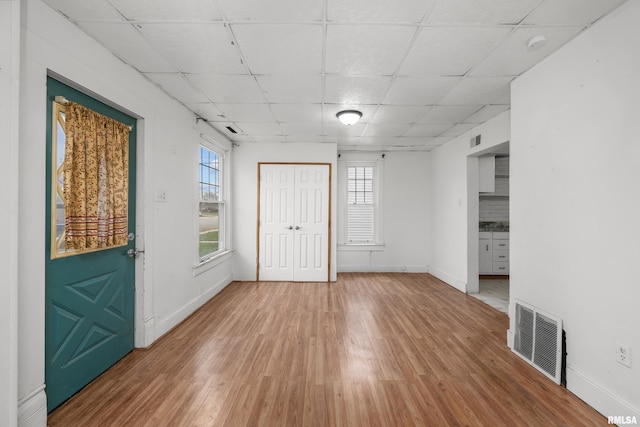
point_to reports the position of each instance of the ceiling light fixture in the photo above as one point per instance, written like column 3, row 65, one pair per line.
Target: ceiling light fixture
column 349, row 117
column 536, row 42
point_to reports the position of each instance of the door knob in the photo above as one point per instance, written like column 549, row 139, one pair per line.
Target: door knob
column 298, row 227
column 289, row 227
column 133, row 253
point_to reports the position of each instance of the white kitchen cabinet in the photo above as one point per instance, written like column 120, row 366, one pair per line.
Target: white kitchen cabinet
column 500, row 255
column 485, row 253
column 493, row 253
column 487, row 174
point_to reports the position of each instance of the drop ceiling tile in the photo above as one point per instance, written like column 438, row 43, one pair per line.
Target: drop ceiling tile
column 207, row 111
column 481, row 11
column 378, row 10
column 486, row 113
column 419, row 91
column 477, row 91
column 302, row 129
column 272, row 10
column 512, row 57
column 227, row 88
column 281, row 49
column 246, row 112
column 195, row 48
column 265, row 139
column 439, row 140
column 449, row 114
column 305, row 89
column 257, row 129
column 378, row 140
column 427, row 129
column 128, row 45
column 176, row 85
column 355, row 90
column 571, row 12
column 385, row 130
column 347, row 140
column 366, row 49
column 412, row 141
column 329, row 112
column 449, row 51
column 458, row 129
column 239, row 138
column 398, row 114
column 305, row 113
column 504, row 99
column 86, row 10
column 167, row 10
column 307, row 138
column 338, row 129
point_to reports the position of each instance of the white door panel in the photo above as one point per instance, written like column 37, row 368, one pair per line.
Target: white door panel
column 311, row 218
column 294, row 222
column 276, row 223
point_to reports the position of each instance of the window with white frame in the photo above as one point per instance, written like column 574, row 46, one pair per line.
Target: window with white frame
column 362, row 217
column 211, row 203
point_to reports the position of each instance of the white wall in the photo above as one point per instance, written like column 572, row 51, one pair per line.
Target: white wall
column 167, row 289
column 246, row 156
column 575, row 209
column 405, row 215
column 9, row 105
column 454, row 221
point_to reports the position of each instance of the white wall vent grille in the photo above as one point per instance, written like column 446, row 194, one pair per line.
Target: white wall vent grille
column 538, row 340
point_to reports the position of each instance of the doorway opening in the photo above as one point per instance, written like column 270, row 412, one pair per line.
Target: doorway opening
column 489, row 260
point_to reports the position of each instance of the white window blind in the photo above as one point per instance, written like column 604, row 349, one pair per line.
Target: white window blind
column 360, row 204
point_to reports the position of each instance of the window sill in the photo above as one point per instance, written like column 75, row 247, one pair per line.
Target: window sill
column 361, row 247
column 212, row 262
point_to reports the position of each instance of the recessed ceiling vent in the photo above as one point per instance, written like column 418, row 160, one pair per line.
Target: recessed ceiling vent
column 230, row 129
column 538, row 340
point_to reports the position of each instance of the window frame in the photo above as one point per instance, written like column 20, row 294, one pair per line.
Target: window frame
column 361, row 160
column 223, row 204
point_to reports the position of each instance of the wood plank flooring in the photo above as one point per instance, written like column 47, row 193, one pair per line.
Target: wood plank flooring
column 368, row 350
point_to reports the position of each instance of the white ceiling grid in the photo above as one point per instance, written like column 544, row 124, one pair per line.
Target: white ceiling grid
column 421, row 71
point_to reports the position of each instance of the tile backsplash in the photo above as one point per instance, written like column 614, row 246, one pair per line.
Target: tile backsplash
column 494, row 209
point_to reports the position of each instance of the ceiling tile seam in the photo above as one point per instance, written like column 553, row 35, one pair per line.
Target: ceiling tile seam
column 416, row 33
column 323, row 66
column 136, row 27
column 532, row 11
column 236, row 44
column 429, row 12
column 232, row 39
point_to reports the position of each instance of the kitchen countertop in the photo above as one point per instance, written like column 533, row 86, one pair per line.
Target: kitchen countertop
column 493, row 226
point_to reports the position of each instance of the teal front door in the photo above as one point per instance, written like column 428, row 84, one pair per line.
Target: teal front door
column 89, row 297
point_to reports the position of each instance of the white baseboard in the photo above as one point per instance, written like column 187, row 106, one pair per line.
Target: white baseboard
column 164, row 326
column 383, row 269
column 510, row 339
column 460, row 285
column 599, row 398
column 149, row 331
column 32, row 409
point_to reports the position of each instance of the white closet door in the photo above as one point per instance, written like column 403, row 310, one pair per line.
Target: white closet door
column 294, row 222
column 311, row 223
column 276, row 222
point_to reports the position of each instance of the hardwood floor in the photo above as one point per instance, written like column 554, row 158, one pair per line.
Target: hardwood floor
column 368, row 350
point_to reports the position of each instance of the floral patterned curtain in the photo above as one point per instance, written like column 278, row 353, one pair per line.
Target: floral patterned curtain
column 96, row 181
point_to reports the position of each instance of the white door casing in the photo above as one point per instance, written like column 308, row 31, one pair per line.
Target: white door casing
column 294, row 222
